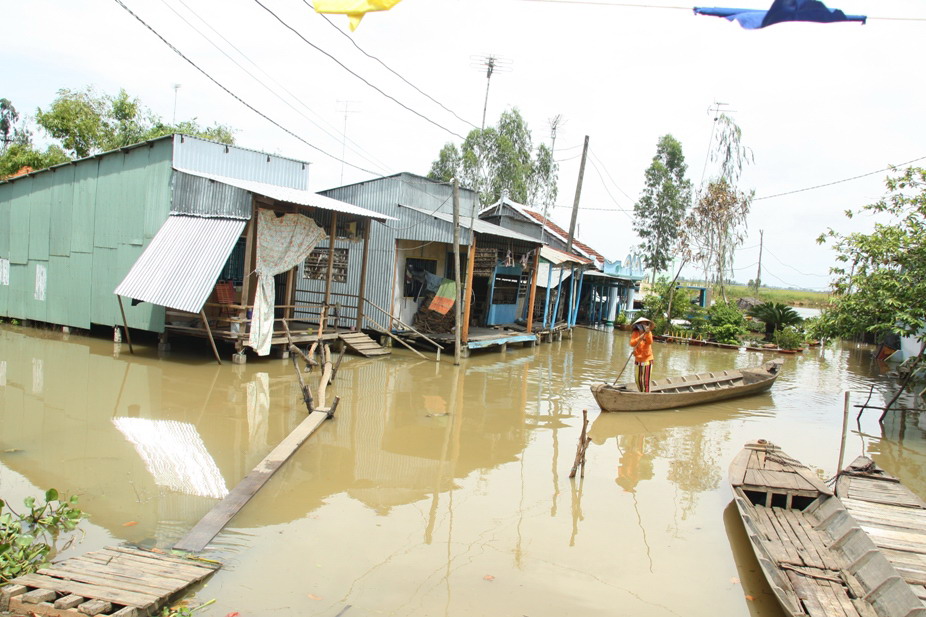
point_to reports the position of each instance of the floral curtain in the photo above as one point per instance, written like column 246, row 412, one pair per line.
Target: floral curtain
column 282, row 242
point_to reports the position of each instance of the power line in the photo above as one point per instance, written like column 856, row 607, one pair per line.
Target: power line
column 793, row 268
column 236, row 97
column 595, row 156
column 810, row 188
column 342, row 65
column 359, row 150
column 388, row 68
column 619, row 208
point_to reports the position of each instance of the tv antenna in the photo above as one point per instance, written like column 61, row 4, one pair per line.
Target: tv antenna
column 491, row 63
column 176, row 89
column 346, row 110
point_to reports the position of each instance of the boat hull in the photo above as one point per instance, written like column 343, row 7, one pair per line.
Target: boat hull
column 687, row 390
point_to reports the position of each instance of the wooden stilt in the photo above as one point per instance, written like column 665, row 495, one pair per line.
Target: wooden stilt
column 584, row 440
column 215, row 351
column 128, row 337
column 533, row 293
column 363, row 273
column 468, row 290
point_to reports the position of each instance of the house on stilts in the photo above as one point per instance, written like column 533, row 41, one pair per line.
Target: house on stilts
column 178, row 236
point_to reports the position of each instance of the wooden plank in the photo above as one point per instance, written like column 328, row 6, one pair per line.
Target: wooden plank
column 112, row 581
column 117, row 596
column 786, row 532
column 841, row 594
column 37, row 596
column 166, row 580
column 69, row 601
column 42, row 610
column 165, row 557
column 784, row 541
column 95, row 607
column 822, row 557
column 806, row 591
column 135, row 563
column 216, row 519
column 9, row 592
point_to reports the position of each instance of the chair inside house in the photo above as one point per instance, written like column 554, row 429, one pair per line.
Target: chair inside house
column 225, row 297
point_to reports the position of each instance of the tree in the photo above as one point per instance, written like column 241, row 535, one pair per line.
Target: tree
column 497, row 159
column 20, row 155
column 88, row 123
column 880, row 282
column 718, row 220
column 659, row 213
column 775, row 316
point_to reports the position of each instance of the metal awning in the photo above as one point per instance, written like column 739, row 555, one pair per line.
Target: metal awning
column 557, row 257
column 480, row 226
column 294, row 196
column 181, row 265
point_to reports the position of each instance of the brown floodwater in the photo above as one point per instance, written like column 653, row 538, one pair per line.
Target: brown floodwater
column 436, row 490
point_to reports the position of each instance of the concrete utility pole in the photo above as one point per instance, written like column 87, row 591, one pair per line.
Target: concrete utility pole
column 575, row 203
column 759, row 272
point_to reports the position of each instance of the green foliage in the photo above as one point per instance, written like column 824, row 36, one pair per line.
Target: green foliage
column 498, row 159
column 88, row 123
column 27, row 539
column 20, row 155
column 775, row 316
column 724, row 323
column 880, row 282
column 620, row 319
column 659, row 213
column 788, row 338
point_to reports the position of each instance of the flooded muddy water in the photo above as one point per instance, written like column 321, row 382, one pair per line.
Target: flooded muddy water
column 436, row 490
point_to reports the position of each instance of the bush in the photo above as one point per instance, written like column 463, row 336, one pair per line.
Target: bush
column 724, row 323
column 788, row 338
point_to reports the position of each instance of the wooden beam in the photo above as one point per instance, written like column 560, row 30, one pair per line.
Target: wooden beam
column 215, row 351
column 128, row 336
column 468, row 290
column 332, row 234
column 216, row 519
column 363, row 272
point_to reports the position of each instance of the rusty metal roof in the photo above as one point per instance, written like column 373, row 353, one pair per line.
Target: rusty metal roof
column 181, row 265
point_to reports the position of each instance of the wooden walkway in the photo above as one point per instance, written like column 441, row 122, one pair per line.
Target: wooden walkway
column 892, row 516
column 116, row 581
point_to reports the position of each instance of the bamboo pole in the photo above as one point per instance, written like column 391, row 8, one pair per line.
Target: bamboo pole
column 202, row 315
column 533, row 293
column 128, row 337
column 584, row 440
column 456, row 272
column 845, row 423
column 332, row 234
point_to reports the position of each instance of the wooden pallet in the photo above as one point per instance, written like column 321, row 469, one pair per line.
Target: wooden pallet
column 115, row 582
column 361, row 343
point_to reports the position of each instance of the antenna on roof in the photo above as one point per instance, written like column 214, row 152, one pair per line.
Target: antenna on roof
column 491, row 63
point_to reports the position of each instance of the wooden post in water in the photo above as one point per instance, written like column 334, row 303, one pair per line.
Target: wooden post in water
column 457, row 317
column 533, row 294
column 584, row 440
column 363, row 273
column 845, row 424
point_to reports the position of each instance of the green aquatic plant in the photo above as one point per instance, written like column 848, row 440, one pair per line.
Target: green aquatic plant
column 27, row 539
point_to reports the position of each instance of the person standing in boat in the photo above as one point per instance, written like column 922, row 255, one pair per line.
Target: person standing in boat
column 642, row 342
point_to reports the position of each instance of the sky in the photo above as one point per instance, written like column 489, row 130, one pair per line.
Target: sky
column 817, row 103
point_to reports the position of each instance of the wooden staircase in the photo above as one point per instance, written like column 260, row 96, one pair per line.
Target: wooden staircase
column 362, row 344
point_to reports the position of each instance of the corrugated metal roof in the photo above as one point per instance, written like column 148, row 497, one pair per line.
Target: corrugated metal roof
column 210, row 157
column 198, row 196
column 557, row 257
column 180, row 266
column 295, row 196
column 479, row 226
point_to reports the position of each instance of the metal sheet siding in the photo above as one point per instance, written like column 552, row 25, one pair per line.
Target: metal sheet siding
column 80, row 268
column 40, row 216
column 19, row 221
column 6, row 197
column 106, row 218
column 84, row 206
column 19, row 273
column 180, row 266
column 61, row 212
column 103, row 305
column 203, row 197
column 159, row 179
column 235, row 162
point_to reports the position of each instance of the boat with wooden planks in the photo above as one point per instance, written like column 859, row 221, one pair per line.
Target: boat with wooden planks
column 813, row 552
column 686, row 390
column 892, row 516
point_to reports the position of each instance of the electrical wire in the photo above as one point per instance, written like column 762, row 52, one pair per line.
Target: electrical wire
column 810, row 188
column 238, row 98
column 793, row 268
column 388, row 68
column 343, row 66
column 603, row 184
column 611, row 178
column 359, row 151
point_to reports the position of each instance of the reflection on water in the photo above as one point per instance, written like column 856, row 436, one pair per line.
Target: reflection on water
column 436, row 489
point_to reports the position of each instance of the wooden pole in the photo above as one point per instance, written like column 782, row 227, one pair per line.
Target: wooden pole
column 363, row 272
column 533, row 293
column 845, row 424
column 202, row 315
column 584, row 440
column 457, row 317
column 332, row 234
column 468, row 289
column 128, row 337
column 575, row 203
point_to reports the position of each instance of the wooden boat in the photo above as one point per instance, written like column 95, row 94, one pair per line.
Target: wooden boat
column 892, row 516
column 673, row 392
column 814, row 554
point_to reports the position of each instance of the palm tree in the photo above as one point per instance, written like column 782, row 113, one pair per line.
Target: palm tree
column 775, row 315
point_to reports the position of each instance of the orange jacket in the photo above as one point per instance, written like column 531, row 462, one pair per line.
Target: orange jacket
column 642, row 343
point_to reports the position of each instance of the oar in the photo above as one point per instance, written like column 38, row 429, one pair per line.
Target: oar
column 625, row 366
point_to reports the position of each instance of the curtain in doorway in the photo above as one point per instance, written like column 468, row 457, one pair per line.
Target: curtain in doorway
column 282, row 242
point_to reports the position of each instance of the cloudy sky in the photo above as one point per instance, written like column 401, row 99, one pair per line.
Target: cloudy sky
column 817, row 104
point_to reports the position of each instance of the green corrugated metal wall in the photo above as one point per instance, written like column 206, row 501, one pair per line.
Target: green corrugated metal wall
column 84, row 225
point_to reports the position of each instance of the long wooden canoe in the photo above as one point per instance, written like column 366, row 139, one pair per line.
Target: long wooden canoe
column 892, row 516
column 813, row 552
column 687, row 390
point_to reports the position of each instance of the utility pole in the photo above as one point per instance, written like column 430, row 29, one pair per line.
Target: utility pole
column 575, row 203
column 176, row 89
column 759, row 272
column 555, row 122
column 346, row 111
column 458, row 322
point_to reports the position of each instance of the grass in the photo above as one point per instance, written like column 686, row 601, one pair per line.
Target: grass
column 791, row 297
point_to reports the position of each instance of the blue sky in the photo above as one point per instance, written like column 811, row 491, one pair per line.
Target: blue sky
column 816, row 103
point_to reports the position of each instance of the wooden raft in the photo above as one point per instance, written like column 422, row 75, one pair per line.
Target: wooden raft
column 116, row 581
column 892, row 516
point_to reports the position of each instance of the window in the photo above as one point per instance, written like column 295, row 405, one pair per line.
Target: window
column 505, row 290
column 234, row 267
column 415, row 276
column 316, row 265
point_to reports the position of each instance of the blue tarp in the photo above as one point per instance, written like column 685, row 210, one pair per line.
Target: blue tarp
column 781, row 10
